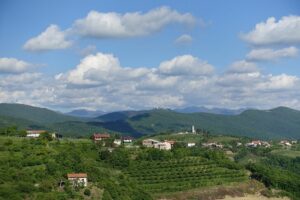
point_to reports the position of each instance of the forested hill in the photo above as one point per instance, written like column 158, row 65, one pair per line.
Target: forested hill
column 280, row 122
column 34, row 114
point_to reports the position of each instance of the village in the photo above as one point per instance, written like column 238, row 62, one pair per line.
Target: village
column 112, row 141
column 162, row 145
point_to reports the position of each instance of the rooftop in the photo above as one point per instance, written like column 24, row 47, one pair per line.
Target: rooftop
column 77, row 175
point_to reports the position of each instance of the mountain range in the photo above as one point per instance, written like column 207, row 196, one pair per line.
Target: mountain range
column 193, row 109
column 85, row 113
column 222, row 111
column 281, row 122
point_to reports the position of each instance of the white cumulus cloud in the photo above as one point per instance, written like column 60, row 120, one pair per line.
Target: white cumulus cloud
column 185, row 65
column 243, row 66
column 184, row 39
column 279, row 82
column 100, row 69
column 284, row 31
column 52, row 38
column 116, row 25
column 267, row 54
column 13, row 65
column 99, row 81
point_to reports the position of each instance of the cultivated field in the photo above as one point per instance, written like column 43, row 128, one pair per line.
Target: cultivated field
column 182, row 174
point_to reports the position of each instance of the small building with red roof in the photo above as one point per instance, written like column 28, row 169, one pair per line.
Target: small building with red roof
column 78, row 179
column 100, row 136
column 34, row 133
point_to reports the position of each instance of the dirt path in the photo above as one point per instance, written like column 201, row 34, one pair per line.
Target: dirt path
column 249, row 190
column 253, row 197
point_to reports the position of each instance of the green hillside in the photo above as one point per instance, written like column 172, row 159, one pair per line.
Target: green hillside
column 35, row 114
column 33, row 169
column 182, row 174
column 276, row 123
column 29, row 117
column 121, row 115
column 6, row 121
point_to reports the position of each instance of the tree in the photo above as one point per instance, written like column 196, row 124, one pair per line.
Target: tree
column 106, row 195
column 87, row 192
column 46, row 136
column 22, row 133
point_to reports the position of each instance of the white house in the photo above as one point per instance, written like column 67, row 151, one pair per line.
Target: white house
column 191, row 144
column 78, row 179
column 286, row 143
column 127, row 139
column 256, row 143
column 238, row 144
column 163, row 146
column 150, row 142
column 166, row 145
column 117, row 142
column 213, row 145
column 34, row 133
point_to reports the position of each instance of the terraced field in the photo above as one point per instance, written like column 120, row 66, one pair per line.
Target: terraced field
column 182, row 174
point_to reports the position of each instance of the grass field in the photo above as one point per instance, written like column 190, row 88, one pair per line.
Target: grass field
column 180, row 137
column 196, row 138
column 286, row 152
column 238, row 190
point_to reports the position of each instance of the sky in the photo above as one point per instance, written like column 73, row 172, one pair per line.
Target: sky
column 117, row 55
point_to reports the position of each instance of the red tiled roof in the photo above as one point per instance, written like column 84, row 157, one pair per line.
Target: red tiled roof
column 170, row 141
column 256, row 142
column 35, row 131
column 101, row 135
column 77, row 175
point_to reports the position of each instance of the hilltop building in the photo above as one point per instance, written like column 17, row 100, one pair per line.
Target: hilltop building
column 193, row 129
column 285, row 143
column 166, row 145
column 100, row 136
column 163, row 146
column 37, row 133
column 34, row 133
column 56, row 135
column 117, row 142
column 149, row 142
column 127, row 139
column 212, row 145
column 191, row 144
column 78, row 179
column 256, row 143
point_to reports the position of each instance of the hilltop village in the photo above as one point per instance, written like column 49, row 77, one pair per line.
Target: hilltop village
column 161, row 142
column 112, row 166
column 115, row 140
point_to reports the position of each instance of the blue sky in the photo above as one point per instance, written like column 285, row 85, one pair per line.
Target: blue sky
column 215, row 50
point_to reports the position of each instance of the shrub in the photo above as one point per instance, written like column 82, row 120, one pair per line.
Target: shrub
column 87, row 192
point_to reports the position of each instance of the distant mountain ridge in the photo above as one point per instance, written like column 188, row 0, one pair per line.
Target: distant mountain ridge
column 222, row 111
column 30, row 117
column 281, row 122
column 120, row 115
column 85, row 113
column 35, row 114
